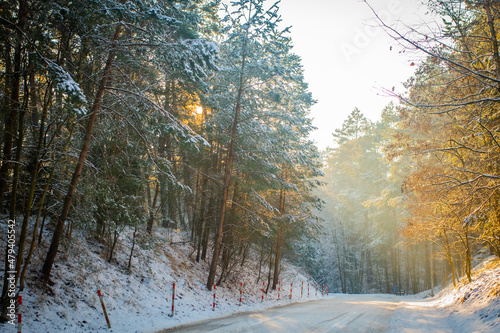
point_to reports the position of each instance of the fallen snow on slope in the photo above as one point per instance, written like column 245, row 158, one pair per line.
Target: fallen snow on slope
column 468, row 307
column 139, row 300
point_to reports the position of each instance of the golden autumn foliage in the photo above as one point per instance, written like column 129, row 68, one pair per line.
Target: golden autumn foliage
column 450, row 127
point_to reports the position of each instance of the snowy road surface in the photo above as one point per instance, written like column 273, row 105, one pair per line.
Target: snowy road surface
column 337, row 313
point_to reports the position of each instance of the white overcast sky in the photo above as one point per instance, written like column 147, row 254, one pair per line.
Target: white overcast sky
column 346, row 57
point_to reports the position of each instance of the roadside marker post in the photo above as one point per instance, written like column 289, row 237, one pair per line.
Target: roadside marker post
column 291, row 288
column 19, row 314
column 103, row 307
column 173, row 300
column 215, row 287
column 279, row 289
column 302, row 289
column 316, row 294
column 241, row 291
column 263, row 290
column 307, row 289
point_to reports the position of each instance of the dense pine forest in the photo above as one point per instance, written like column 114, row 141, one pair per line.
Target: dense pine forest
column 194, row 117
column 412, row 199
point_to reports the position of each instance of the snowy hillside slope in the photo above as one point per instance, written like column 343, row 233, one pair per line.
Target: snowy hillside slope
column 139, row 300
column 468, row 307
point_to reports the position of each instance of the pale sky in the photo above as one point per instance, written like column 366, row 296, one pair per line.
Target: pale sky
column 347, row 58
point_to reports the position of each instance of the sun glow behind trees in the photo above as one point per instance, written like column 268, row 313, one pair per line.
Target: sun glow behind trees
column 188, row 121
column 181, row 119
column 427, row 173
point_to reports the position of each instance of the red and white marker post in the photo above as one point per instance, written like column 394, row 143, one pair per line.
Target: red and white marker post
column 215, row 287
column 302, row 289
column 316, row 290
column 173, row 300
column 263, row 290
column 291, row 288
column 103, row 308
column 19, row 314
column 241, row 291
column 307, row 289
column 279, row 289
column 327, row 289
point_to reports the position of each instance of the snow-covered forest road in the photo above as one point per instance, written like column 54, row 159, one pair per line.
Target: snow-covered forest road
column 337, row 313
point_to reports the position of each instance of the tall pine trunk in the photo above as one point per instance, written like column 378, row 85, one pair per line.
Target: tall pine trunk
column 278, row 240
column 54, row 245
column 152, row 209
column 227, row 176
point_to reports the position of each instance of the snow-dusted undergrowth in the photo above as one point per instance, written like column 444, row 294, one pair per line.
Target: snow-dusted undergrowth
column 475, row 306
column 139, row 300
column 468, row 307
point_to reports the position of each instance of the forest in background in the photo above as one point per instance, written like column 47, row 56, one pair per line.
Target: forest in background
column 131, row 114
column 138, row 114
column 412, row 199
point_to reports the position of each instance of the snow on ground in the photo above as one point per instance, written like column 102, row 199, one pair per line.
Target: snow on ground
column 468, row 307
column 139, row 300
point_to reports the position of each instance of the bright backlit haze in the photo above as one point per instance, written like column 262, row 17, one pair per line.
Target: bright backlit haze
column 347, row 58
